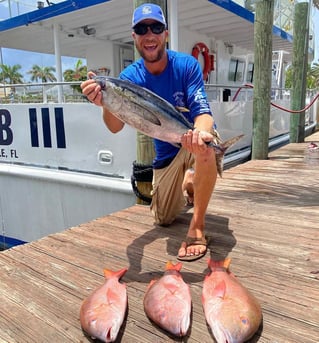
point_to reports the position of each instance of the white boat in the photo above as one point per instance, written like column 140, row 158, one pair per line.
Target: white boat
column 59, row 166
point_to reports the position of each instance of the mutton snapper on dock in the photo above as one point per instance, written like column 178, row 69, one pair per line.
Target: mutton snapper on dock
column 232, row 312
column 152, row 115
column 167, row 301
column 102, row 313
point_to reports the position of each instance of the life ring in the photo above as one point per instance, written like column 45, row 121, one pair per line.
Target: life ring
column 203, row 49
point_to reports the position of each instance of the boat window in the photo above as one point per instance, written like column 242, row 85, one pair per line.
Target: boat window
column 250, row 72
column 236, row 70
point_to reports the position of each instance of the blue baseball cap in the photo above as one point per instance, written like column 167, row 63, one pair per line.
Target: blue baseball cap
column 148, row 11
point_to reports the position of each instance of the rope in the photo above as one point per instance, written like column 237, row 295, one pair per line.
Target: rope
column 278, row 106
column 142, row 173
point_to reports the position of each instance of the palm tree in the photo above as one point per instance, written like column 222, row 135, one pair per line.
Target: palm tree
column 44, row 74
column 10, row 74
column 78, row 74
column 312, row 76
column 314, row 73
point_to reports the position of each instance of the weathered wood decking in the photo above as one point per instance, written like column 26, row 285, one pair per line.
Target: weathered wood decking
column 263, row 214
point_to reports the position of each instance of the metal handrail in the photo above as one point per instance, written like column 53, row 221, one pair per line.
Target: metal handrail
column 216, row 92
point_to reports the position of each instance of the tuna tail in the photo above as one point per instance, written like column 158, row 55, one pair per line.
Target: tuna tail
column 109, row 274
column 172, row 266
column 215, row 265
column 230, row 142
column 220, row 149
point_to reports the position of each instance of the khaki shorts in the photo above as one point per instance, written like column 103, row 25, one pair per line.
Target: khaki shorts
column 167, row 196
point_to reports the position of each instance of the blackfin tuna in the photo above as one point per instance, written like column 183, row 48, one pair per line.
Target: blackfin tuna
column 152, row 115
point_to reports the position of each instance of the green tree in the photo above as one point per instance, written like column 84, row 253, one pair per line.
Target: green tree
column 314, row 72
column 44, row 74
column 10, row 74
column 79, row 73
column 312, row 77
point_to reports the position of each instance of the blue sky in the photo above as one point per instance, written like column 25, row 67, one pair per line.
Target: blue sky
column 24, row 58
column 27, row 59
column 12, row 57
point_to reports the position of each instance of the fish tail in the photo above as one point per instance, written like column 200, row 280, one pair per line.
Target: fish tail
column 212, row 264
column 108, row 273
column 172, row 266
column 220, row 149
column 219, row 164
column 230, row 142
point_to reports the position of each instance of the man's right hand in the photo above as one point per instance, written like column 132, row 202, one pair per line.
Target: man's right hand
column 92, row 90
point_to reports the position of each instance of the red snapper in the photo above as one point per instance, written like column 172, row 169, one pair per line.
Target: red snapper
column 167, row 301
column 232, row 312
column 102, row 313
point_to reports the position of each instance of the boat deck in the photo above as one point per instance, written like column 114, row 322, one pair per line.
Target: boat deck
column 263, row 214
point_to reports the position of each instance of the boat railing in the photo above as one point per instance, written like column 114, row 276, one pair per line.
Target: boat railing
column 225, row 93
column 45, row 92
column 71, row 93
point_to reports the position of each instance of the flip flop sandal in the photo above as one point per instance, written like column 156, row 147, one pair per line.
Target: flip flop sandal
column 194, row 241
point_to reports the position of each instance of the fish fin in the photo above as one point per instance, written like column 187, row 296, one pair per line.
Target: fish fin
column 108, row 273
column 230, row 142
column 147, row 114
column 172, row 266
column 171, row 287
column 182, row 109
column 227, row 262
column 111, row 295
column 220, row 290
column 152, row 282
column 212, row 264
column 221, row 147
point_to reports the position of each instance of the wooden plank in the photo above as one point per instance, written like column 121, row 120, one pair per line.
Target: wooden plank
column 263, row 214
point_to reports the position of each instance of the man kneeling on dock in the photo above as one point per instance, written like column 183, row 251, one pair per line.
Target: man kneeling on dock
column 189, row 171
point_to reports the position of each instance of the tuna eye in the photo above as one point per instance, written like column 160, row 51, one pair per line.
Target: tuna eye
column 102, row 84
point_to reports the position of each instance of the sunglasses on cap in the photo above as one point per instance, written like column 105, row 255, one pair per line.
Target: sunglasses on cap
column 156, row 28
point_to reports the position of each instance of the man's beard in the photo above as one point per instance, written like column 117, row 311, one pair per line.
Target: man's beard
column 154, row 59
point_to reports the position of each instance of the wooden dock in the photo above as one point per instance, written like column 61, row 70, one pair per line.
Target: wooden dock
column 263, row 214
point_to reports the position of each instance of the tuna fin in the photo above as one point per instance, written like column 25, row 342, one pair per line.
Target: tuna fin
column 182, row 109
column 230, row 142
column 172, row 266
column 220, row 148
column 220, row 290
column 108, row 273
